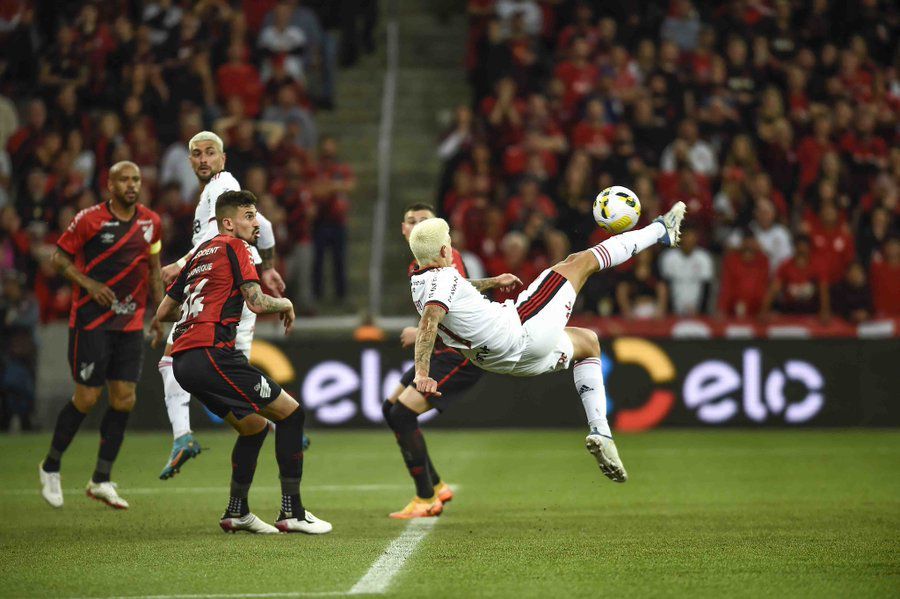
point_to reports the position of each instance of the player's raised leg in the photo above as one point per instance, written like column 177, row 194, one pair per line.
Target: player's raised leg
column 588, row 376
column 402, row 416
column 665, row 230
column 112, row 433
column 178, row 404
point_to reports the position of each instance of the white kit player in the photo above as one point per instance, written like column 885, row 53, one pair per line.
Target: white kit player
column 528, row 336
column 207, row 156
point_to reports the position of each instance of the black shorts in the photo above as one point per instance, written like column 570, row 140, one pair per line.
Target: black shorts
column 98, row 355
column 224, row 381
column 454, row 374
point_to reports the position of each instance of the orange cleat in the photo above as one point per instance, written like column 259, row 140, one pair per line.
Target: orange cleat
column 443, row 492
column 420, row 508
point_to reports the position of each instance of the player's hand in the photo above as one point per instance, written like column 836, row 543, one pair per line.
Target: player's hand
column 408, row 336
column 426, row 385
column 101, row 294
column 287, row 316
column 274, row 282
column 170, row 273
column 507, row 282
column 156, row 332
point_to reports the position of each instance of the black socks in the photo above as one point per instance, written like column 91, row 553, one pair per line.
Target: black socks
column 404, row 422
column 432, row 471
column 67, row 424
column 112, row 433
column 243, row 466
column 289, row 453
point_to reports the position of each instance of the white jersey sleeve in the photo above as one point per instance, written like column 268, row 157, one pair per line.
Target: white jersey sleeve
column 266, row 233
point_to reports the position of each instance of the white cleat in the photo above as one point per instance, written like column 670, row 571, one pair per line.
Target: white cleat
column 671, row 220
column 604, row 451
column 51, row 486
column 309, row 524
column 106, row 493
column 249, row 523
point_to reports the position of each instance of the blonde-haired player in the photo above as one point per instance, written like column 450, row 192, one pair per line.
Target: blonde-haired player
column 207, row 157
column 528, row 336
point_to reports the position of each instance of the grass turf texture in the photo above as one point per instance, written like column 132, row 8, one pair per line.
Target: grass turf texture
column 797, row 513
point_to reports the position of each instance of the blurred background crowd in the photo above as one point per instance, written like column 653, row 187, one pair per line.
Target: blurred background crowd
column 776, row 122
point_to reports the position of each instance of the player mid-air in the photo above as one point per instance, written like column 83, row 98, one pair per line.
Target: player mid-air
column 207, row 299
column 207, row 158
column 455, row 374
column 527, row 337
column 110, row 252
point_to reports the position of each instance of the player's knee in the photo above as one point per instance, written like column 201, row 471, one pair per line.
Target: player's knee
column 123, row 403
column 593, row 342
column 402, row 419
column 85, row 398
column 295, row 419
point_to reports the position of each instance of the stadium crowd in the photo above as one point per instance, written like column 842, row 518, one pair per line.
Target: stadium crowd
column 776, row 122
column 86, row 84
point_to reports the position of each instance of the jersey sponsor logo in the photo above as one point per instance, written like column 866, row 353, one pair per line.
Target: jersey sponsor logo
column 207, row 251
column 110, row 223
column 125, row 306
column 584, row 388
column 148, row 232
column 263, row 388
column 481, row 353
column 87, row 369
column 107, row 237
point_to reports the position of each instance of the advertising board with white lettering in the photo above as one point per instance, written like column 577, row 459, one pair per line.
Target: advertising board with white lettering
column 708, row 383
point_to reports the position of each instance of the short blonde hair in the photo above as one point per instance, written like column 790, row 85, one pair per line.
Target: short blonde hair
column 206, row 136
column 427, row 238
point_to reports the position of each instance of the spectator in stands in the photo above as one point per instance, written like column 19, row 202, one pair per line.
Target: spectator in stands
column 832, row 242
column 881, row 225
column 641, row 294
column 333, row 184
column 773, row 237
column 799, row 285
column 239, row 78
column 681, row 26
column 282, row 38
column 884, row 275
column 689, row 146
column 513, row 257
column 689, row 272
column 18, row 352
column 744, row 279
column 527, row 10
column 530, row 200
column 851, row 298
column 176, row 164
column 289, row 115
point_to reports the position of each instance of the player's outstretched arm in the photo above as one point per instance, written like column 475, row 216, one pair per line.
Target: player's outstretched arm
column 168, row 310
column 505, row 282
column 427, row 333
column 99, row 292
column 260, row 303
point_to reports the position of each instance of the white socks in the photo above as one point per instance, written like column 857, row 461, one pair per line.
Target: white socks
column 619, row 248
column 588, row 374
column 178, row 401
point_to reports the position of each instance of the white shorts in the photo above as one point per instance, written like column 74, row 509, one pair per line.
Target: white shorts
column 544, row 310
column 244, row 337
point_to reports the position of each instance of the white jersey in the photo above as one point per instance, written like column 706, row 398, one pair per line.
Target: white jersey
column 488, row 333
column 205, row 227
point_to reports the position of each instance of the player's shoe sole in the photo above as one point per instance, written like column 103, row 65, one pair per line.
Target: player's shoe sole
column 444, row 493
column 249, row 523
column 184, row 448
column 106, row 493
column 419, row 509
column 309, row 525
column 604, row 451
column 671, row 221
column 51, row 487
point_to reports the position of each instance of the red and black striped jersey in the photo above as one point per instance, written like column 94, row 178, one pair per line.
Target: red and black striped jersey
column 209, row 291
column 457, row 262
column 114, row 252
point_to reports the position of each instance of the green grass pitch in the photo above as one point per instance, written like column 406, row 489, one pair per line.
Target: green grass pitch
column 730, row 513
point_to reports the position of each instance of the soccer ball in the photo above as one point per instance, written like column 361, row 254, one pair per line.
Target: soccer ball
column 617, row 209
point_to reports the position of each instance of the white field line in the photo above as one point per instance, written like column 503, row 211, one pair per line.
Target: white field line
column 377, row 580
column 227, row 595
column 162, row 489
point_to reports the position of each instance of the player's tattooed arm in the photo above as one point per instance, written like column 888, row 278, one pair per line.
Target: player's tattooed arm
column 268, row 258
column 99, row 292
column 506, row 282
column 269, row 275
column 168, row 311
column 260, row 303
column 425, row 337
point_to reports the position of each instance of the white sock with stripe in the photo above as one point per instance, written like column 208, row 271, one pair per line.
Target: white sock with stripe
column 178, row 401
column 588, row 375
column 619, row 248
